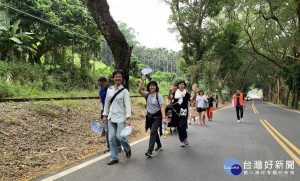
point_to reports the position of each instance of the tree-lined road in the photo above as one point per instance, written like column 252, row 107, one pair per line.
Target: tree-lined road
column 269, row 136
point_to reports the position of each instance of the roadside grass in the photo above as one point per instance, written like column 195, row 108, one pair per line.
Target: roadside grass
column 74, row 104
column 138, row 102
column 47, row 111
column 61, row 94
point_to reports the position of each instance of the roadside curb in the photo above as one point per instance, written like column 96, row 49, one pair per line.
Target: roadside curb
column 282, row 107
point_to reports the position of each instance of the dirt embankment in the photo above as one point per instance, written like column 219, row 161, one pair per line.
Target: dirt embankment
column 38, row 137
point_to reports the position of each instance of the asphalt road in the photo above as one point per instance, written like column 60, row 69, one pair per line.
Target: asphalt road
column 263, row 144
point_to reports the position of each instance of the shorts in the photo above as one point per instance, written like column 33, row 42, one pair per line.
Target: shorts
column 199, row 109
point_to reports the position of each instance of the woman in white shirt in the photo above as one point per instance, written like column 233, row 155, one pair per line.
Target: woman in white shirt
column 201, row 100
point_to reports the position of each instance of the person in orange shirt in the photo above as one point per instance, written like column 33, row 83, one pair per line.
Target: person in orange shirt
column 239, row 104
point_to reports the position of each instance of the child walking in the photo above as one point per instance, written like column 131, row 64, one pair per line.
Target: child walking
column 192, row 113
column 201, row 109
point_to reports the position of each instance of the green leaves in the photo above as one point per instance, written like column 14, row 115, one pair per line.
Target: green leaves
column 16, row 40
column 51, row 67
column 3, row 28
column 15, row 27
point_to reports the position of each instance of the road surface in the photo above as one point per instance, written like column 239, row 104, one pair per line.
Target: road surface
column 266, row 145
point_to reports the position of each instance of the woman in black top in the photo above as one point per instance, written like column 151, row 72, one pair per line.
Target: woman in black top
column 209, row 109
column 180, row 115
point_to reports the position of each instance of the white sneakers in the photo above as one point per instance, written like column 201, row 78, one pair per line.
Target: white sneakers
column 240, row 121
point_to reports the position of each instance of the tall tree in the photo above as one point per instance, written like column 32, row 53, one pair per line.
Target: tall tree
column 112, row 34
column 67, row 14
column 189, row 18
column 273, row 32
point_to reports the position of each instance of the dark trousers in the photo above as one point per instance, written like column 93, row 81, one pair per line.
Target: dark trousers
column 154, row 137
column 238, row 110
column 182, row 133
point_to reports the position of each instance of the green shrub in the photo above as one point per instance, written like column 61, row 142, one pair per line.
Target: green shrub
column 4, row 89
column 29, row 80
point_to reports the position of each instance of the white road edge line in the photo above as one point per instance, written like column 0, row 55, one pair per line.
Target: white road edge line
column 222, row 108
column 282, row 108
column 85, row 164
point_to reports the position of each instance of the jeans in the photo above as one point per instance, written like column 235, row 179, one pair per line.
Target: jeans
column 107, row 138
column 182, row 133
column 238, row 109
column 154, row 137
column 114, row 135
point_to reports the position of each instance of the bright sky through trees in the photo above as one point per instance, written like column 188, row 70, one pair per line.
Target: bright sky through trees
column 149, row 18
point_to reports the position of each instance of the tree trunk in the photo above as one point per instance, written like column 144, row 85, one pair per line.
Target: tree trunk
column 41, row 50
column 287, row 98
column 266, row 93
column 220, row 95
column 272, row 92
column 31, row 59
column 293, row 96
column 282, row 92
column 194, row 79
column 268, row 90
column 296, row 104
column 121, row 51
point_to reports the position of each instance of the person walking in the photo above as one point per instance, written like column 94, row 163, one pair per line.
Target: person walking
column 180, row 115
column 117, row 112
column 155, row 113
column 217, row 100
column 171, row 95
column 104, row 85
column 209, row 109
column 192, row 112
column 239, row 104
column 172, row 90
column 201, row 109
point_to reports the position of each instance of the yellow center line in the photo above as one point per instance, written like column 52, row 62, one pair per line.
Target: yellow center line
column 297, row 160
column 254, row 108
column 283, row 138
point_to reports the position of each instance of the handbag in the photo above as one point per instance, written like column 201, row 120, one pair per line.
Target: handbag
column 205, row 104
